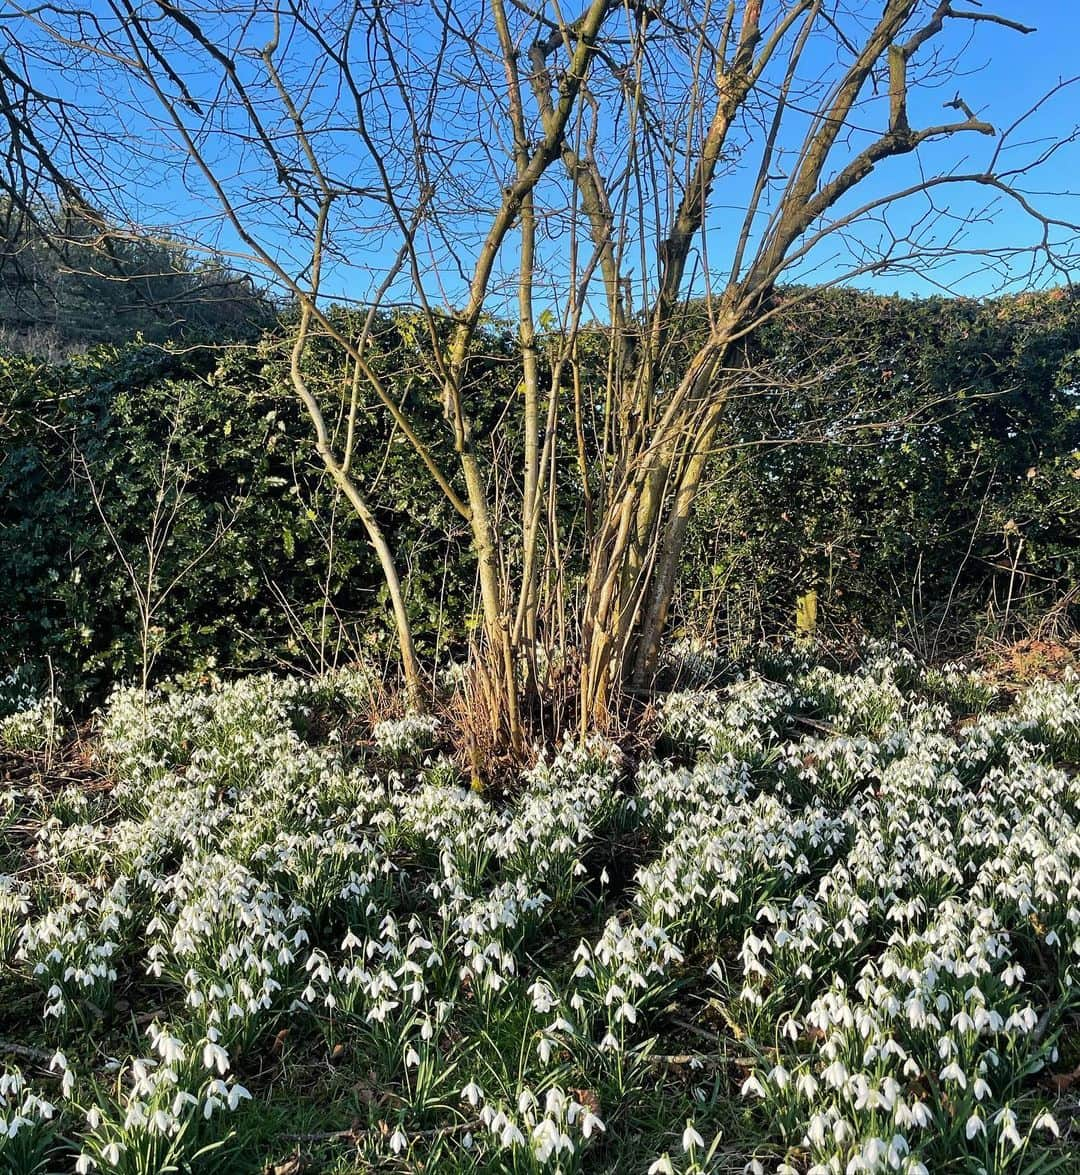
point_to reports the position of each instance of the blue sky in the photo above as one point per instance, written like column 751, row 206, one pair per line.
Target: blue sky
column 1005, row 74
column 1014, row 72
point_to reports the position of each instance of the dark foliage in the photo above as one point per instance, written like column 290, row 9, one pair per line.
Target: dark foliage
column 917, row 462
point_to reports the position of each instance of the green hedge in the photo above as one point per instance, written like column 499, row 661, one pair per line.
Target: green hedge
column 274, row 570
column 917, row 462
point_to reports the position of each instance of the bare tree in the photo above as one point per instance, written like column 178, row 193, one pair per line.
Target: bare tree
column 582, row 175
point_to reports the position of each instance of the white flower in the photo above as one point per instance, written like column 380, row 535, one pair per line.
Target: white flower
column 836, row 1074
column 215, row 1057
column 691, row 1138
column 662, row 1166
column 953, row 1072
column 237, row 1094
column 398, row 1141
column 921, row 1114
column 975, row 1125
column 171, row 1049
column 510, row 1135
column 589, row 1123
column 752, row 1086
column 84, row 1163
column 472, row 1093
column 1047, row 1121
column 1006, row 1121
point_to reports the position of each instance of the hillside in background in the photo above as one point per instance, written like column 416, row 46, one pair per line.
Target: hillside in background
column 69, row 281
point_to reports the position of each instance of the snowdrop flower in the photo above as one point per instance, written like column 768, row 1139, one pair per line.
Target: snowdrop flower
column 237, row 1094
column 815, row 1131
column 1006, row 1121
column 662, row 1166
column 1012, row 975
column 545, row 1140
column 752, row 1086
column 543, row 997
column 589, row 1123
column 921, row 1114
column 170, row 1049
column 215, row 1057
column 398, row 1141
column 472, row 1093
column 836, row 1074
column 691, row 1138
column 511, row 1136
column 1047, row 1121
column 953, row 1072
column 962, row 1022
column 975, row 1125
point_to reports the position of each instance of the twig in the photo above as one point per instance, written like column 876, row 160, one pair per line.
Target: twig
column 24, row 1050
column 696, row 1060
column 696, row 1030
column 815, row 724
column 323, row 1136
column 375, row 1132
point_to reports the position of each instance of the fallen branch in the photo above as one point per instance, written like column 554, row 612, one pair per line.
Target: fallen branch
column 352, row 1134
column 696, row 1060
column 25, row 1050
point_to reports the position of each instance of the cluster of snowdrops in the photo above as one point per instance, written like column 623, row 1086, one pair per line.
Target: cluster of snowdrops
column 833, row 924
